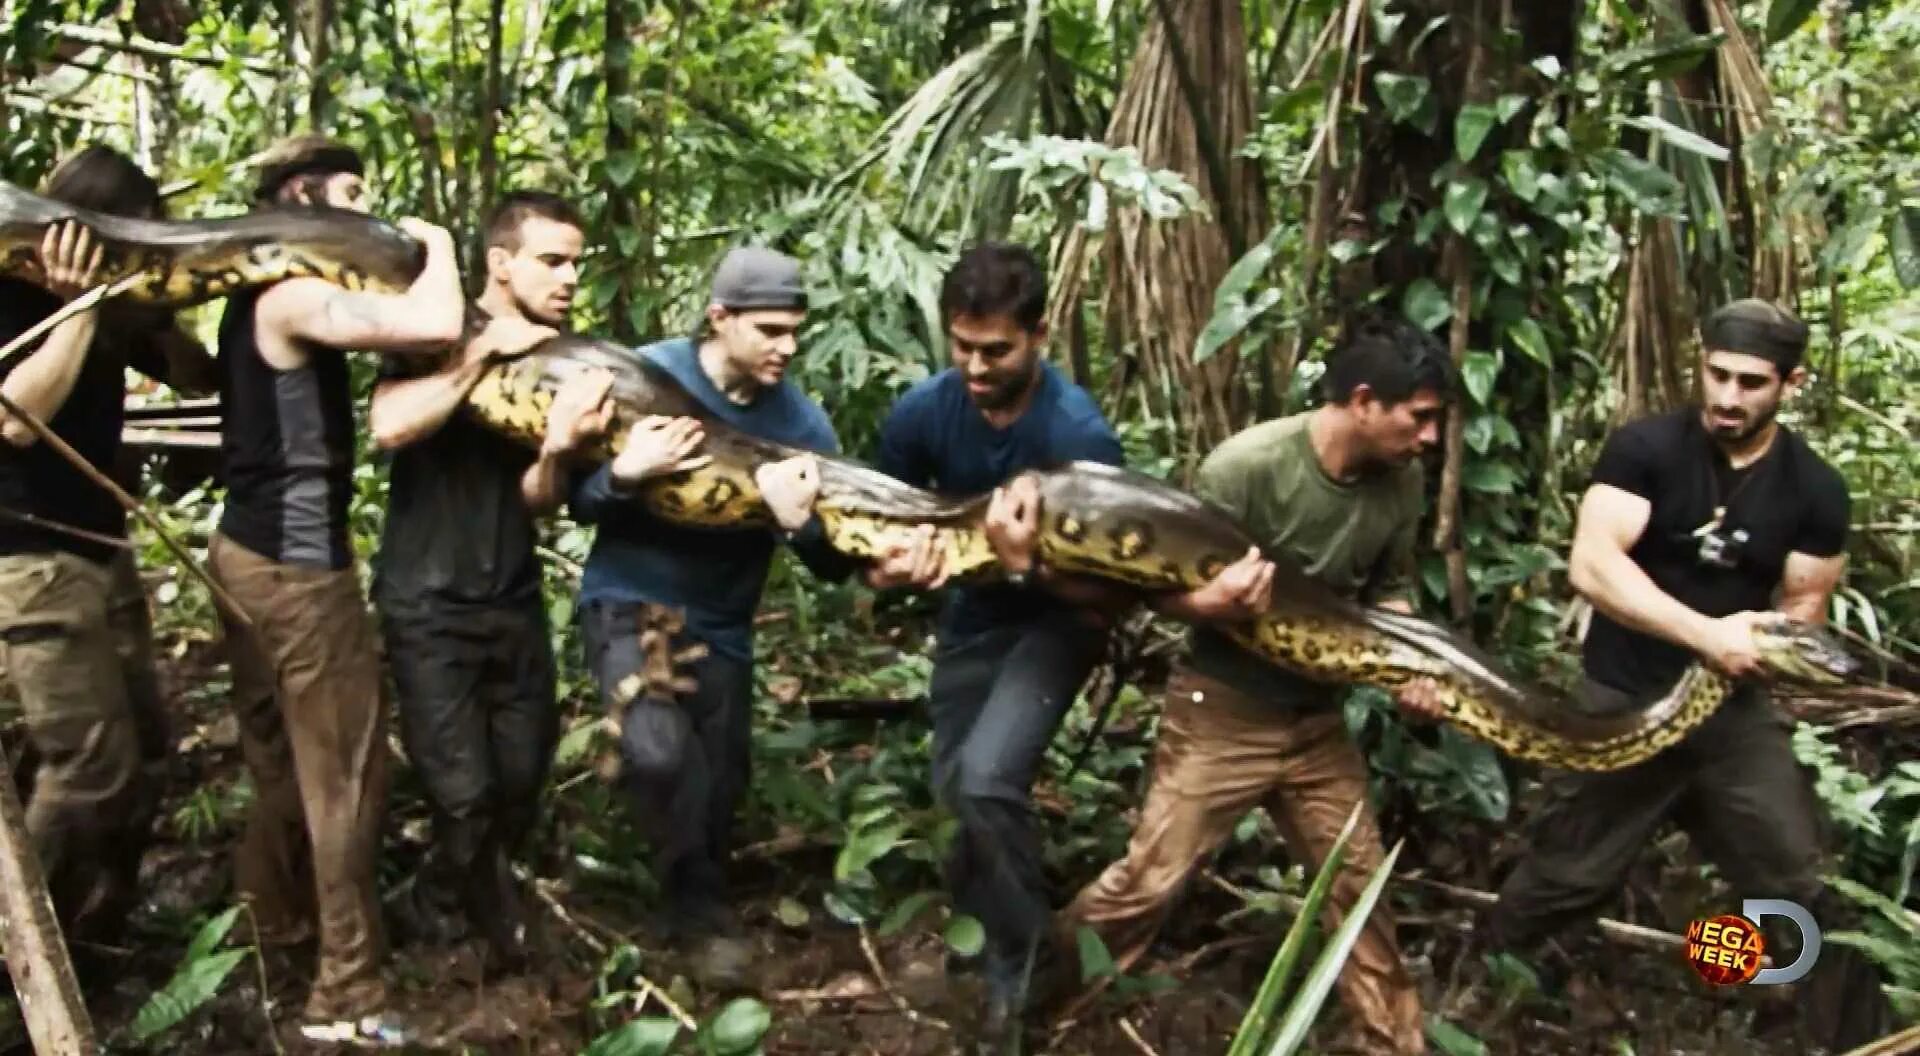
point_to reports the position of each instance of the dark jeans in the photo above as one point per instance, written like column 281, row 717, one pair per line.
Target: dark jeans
column 996, row 699
column 686, row 762
column 475, row 691
column 1742, row 798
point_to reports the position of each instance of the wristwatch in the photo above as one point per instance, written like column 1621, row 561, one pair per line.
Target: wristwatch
column 1019, row 579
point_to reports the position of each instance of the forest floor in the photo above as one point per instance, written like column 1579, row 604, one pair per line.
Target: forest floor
column 816, row 975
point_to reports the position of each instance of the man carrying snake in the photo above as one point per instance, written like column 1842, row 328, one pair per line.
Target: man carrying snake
column 457, row 583
column 306, row 674
column 1337, row 489
column 1695, row 521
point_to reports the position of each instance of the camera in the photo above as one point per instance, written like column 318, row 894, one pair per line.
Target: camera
column 1720, row 548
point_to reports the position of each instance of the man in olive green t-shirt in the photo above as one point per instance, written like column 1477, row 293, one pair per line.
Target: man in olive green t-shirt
column 1338, row 491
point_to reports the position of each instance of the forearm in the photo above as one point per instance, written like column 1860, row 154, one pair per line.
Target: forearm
column 1623, row 591
column 544, row 485
column 408, row 410
column 41, row 384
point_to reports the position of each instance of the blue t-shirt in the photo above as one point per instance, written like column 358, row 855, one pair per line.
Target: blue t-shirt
column 716, row 575
column 935, row 437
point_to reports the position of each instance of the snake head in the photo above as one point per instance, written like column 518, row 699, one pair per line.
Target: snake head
column 1796, row 651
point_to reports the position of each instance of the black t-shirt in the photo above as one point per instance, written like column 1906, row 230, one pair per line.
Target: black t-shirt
column 38, row 482
column 1789, row 500
column 457, row 528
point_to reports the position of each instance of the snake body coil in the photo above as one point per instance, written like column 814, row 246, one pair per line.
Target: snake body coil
column 1100, row 521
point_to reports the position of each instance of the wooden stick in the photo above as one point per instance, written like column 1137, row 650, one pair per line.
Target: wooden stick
column 84, row 302
column 1901, row 1044
column 148, row 48
column 1133, row 1035
column 899, row 1003
column 647, row 986
column 87, row 469
column 1618, row 932
column 43, row 978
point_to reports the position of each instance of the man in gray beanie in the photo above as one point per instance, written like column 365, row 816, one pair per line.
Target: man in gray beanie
column 685, row 763
column 1698, row 523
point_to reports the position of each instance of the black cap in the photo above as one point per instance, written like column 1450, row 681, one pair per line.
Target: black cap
column 1757, row 328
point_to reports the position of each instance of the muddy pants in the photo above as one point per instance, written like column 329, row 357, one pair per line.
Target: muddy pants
column 1220, row 754
column 1737, row 791
column 475, row 692
column 997, row 699
column 132, row 623
column 685, row 764
column 307, row 690
column 86, row 798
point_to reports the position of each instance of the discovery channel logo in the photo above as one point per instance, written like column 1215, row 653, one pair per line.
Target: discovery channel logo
column 1728, row 950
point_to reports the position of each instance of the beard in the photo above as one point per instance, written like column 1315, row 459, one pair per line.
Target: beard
column 1004, row 393
column 1744, row 426
column 538, row 312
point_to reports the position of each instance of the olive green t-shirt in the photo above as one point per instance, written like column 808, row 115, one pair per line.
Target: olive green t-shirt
column 1355, row 537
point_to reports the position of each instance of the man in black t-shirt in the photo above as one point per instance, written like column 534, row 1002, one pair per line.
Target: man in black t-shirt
column 64, row 564
column 1696, row 523
column 457, row 582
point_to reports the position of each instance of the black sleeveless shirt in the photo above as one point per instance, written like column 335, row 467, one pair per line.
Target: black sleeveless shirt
column 287, row 436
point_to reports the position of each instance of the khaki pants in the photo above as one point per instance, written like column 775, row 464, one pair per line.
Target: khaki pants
column 312, row 710
column 1217, row 758
column 132, row 623
column 82, row 760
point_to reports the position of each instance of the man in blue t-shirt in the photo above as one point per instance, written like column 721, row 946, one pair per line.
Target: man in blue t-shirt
column 1011, row 655
column 686, row 763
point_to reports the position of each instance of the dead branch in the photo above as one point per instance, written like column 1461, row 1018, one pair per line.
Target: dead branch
column 149, row 49
column 899, row 1003
column 1133, row 1035
column 1901, row 1044
column 560, row 912
column 37, row 958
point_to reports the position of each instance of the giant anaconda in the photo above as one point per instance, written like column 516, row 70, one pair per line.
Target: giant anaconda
column 1110, row 523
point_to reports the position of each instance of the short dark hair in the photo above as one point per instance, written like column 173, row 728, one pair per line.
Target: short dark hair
column 996, row 278
column 513, row 209
column 104, row 180
column 304, row 163
column 1757, row 328
column 1393, row 358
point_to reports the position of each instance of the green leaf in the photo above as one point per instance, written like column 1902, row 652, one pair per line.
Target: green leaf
column 1477, row 768
column 1491, row 478
column 1531, row 340
column 1231, row 311
column 1479, row 433
column 1506, row 266
column 194, row 983
column 1905, row 244
column 1429, row 223
column 1509, row 106
column 791, row 913
column 640, row 1037
column 842, row 910
column 1095, row 961
column 1227, row 325
column 1520, row 173
column 1648, row 187
column 1691, row 142
column 1425, row 304
column 739, row 1026
column 1785, row 16
column 622, row 167
column 1403, row 95
column 1451, row 1040
column 902, row 915
column 1661, row 59
column 1470, row 128
column 1479, row 371
column 965, row 935
column 1304, row 1009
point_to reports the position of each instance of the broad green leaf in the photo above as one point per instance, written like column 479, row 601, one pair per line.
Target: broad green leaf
column 1490, row 478
column 842, row 910
column 640, row 1037
column 1304, row 1009
column 1477, row 768
column 792, row 913
column 1648, row 187
column 966, row 935
column 1451, row 1040
column 1231, row 312
column 1425, row 304
column 1347, row 249
column 1095, row 961
column 1509, row 106
column 1530, row 339
column 865, row 847
column 1479, row 433
column 193, row 984
column 1904, row 241
column 1521, row 174
column 1691, row 142
column 1429, row 223
column 739, row 1026
column 1479, row 372
column 1403, row 94
column 1846, row 247
column 1470, row 128
column 622, row 167
column 902, row 915
column 1506, row 265
column 1227, row 325
column 1664, row 58
column 1785, row 16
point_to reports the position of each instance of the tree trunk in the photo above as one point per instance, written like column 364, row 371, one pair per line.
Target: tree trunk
column 318, row 22
column 43, row 979
column 489, row 147
column 1186, row 106
column 620, row 206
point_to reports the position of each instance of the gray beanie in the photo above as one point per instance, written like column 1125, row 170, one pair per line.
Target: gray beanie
column 751, row 277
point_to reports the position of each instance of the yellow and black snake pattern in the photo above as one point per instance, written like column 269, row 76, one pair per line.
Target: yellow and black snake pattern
column 1099, row 521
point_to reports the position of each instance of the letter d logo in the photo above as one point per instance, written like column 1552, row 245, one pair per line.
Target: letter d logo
column 1755, row 908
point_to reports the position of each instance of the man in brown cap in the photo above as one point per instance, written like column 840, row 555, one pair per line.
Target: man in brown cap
column 306, row 673
column 1699, row 523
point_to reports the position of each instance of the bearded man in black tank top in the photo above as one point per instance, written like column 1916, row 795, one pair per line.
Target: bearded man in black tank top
column 1696, row 521
column 306, row 674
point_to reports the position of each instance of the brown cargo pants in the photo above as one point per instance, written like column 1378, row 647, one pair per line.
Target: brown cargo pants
column 81, row 762
column 1218, row 756
column 312, row 708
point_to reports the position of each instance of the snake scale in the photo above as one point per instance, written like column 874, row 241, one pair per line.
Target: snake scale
column 1097, row 520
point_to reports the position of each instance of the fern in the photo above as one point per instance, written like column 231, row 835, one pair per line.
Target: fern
column 201, row 971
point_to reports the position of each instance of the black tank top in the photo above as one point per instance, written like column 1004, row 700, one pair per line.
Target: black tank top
column 287, row 436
